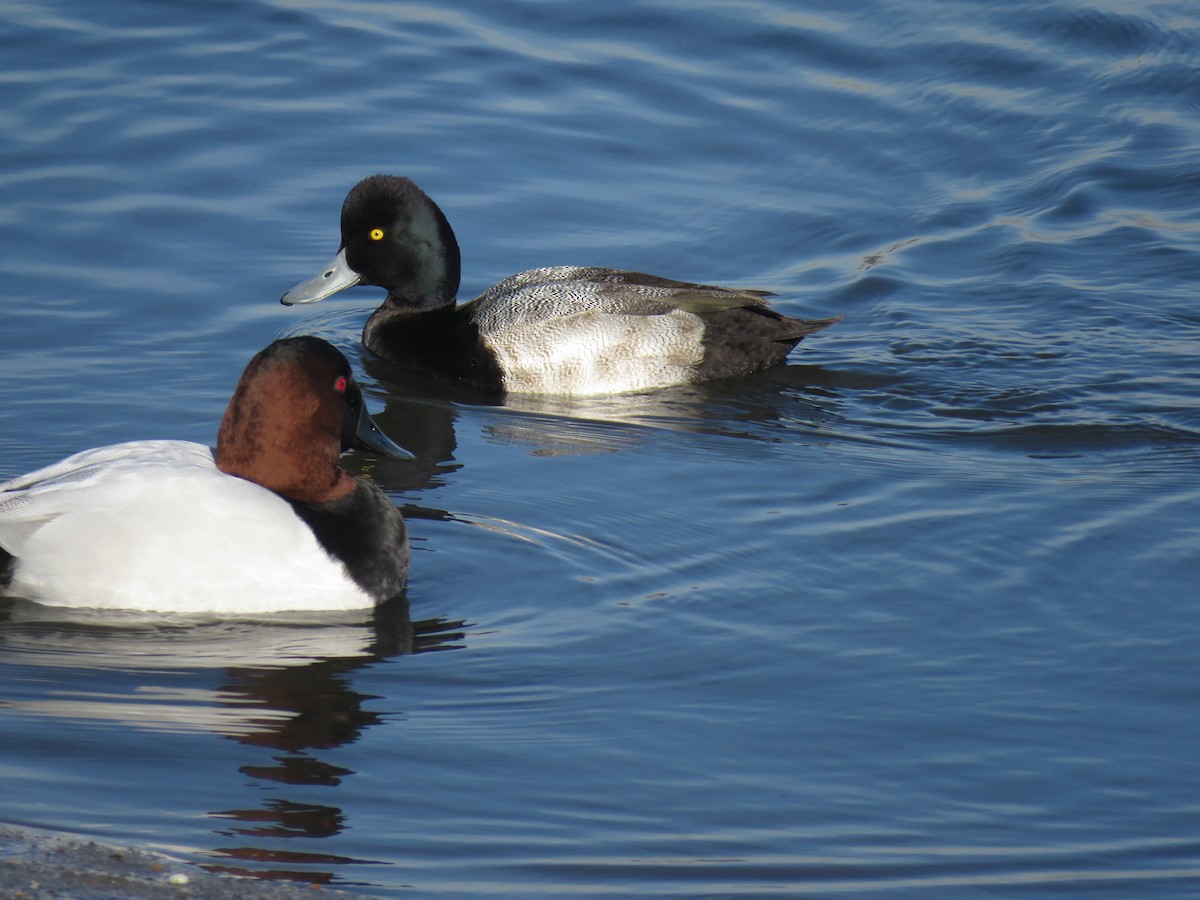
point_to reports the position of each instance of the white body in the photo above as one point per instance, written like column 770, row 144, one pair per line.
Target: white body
column 154, row 525
column 555, row 333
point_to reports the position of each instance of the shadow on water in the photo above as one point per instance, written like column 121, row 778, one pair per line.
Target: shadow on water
column 789, row 404
column 420, row 412
column 285, row 684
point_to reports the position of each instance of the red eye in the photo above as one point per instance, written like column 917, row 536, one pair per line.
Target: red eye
column 340, row 384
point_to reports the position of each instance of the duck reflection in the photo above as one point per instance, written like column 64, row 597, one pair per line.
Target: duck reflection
column 420, row 413
column 285, row 685
column 325, row 711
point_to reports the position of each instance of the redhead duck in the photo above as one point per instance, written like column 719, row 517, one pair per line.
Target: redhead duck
column 563, row 330
column 268, row 523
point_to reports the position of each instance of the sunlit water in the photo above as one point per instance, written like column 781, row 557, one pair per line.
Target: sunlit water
column 913, row 616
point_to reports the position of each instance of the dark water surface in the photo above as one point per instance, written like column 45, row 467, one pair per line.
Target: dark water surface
column 915, row 616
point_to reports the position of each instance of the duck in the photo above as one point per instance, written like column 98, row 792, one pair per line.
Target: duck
column 267, row 522
column 560, row 330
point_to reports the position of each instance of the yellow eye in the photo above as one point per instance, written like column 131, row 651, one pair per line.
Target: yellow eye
column 377, row 234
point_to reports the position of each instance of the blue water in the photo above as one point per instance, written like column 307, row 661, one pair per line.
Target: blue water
column 915, row 616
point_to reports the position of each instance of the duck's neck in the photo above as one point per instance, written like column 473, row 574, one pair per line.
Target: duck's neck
column 443, row 340
column 307, row 479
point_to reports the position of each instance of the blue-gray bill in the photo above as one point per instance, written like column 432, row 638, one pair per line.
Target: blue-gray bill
column 334, row 277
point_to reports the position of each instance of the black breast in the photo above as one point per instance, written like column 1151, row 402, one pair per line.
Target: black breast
column 444, row 342
column 6, row 568
column 365, row 532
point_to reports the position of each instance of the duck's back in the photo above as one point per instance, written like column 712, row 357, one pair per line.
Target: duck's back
column 91, row 480
column 154, row 525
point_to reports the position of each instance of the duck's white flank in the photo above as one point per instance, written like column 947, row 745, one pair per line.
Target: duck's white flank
column 164, row 530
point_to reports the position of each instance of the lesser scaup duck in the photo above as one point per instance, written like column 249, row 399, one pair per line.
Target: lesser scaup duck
column 560, row 330
column 270, row 523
